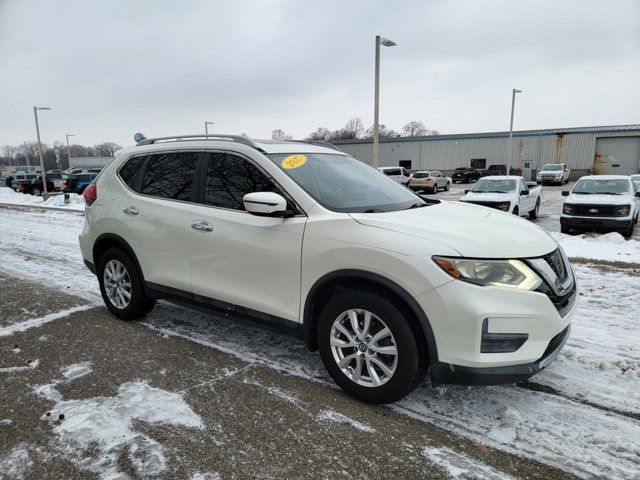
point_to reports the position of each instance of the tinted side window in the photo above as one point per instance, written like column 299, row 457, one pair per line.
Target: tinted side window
column 170, row 175
column 229, row 178
column 130, row 170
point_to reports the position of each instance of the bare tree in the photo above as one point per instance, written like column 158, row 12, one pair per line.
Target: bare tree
column 279, row 134
column 352, row 129
column 106, row 149
column 321, row 133
column 415, row 128
column 383, row 132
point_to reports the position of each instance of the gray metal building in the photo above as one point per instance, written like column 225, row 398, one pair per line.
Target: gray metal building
column 602, row 150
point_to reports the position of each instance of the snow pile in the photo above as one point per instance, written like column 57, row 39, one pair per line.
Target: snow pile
column 609, row 247
column 462, row 467
column 7, row 195
column 332, row 416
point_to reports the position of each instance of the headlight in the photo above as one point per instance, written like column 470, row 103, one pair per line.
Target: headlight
column 504, row 206
column 567, row 209
column 623, row 210
column 502, row 273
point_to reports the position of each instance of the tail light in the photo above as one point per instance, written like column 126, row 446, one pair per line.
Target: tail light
column 90, row 194
column 64, row 183
column 429, row 179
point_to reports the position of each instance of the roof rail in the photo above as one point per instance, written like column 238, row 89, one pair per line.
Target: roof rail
column 319, row 143
column 179, row 138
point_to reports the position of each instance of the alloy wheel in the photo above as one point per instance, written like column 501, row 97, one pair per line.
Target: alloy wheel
column 364, row 348
column 117, row 284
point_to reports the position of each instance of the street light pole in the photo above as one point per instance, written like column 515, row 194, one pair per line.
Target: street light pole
column 44, row 176
column 376, row 97
column 206, row 127
column 513, row 104
column 69, row 150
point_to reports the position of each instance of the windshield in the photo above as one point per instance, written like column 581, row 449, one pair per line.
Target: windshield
column 485, row 185
column 553, row 167
column 635, row 178
column 603, row 187
column 344, row 184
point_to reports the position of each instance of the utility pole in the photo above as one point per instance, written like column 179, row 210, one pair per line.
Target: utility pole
column 513, row 104
column 69, row 150
column 44, row 176
column 376, row 98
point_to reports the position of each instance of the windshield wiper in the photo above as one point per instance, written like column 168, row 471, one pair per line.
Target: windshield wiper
column 416, row 205
column 609, row 193
column 583, row 193
column 374, row 210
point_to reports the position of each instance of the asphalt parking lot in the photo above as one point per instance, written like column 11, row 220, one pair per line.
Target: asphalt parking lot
column 186, row 395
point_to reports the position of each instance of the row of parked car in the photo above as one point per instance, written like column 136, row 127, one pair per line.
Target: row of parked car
column 432, row 180
column 69, row 181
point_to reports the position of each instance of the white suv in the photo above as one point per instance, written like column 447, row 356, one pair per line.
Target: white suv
column 309, row 240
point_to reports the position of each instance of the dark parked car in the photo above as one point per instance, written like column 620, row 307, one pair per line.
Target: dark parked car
column 494, row 170
column 77, row 183
column 465, row 175
column 35, row 187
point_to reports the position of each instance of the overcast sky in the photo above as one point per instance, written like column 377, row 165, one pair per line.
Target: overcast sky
column 109, row 69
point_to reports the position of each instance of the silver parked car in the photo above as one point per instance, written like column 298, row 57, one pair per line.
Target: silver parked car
column 430, row 181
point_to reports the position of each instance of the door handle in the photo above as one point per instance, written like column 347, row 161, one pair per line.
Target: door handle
column 130, row 210
column 202, row 226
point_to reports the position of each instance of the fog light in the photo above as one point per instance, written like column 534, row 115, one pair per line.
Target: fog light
column 500, row 342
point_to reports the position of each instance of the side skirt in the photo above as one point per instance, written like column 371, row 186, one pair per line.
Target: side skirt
column 226, row 310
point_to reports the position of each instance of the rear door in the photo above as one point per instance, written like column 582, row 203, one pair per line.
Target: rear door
column 239, row 259
column 154, row 214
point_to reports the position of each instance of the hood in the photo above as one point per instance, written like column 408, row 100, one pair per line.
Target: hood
column 487, row 197
column 577, row 199
column 472, row 230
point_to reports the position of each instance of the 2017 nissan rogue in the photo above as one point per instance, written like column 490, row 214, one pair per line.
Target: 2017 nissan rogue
column 306, row 239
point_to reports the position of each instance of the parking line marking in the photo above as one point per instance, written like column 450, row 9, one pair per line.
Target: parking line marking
column 36, row 322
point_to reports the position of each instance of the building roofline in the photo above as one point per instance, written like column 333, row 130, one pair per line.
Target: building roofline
column 516, row 133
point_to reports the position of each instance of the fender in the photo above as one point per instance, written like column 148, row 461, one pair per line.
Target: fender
column 309, row 322
column 113, row 238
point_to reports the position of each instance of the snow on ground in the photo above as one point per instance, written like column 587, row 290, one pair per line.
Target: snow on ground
column 332, row 416
column 460, row 466
column 29, row 366
column 17, row 463
column 76, row 202
column 611, row 247
column 107, row 423
column 599, row 365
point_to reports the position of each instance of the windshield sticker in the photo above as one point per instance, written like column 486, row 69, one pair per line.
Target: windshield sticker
column 293, row 161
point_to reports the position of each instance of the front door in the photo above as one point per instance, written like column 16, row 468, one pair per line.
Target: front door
column 239, row 258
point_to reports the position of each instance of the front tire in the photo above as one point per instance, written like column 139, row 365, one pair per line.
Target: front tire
column 516, row 211
column 369, row 348
column 434, row 189
column 447, row 187
column 122, row 287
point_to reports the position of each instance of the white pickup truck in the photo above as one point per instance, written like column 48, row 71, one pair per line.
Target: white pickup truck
column 507, row 193
column 553, row 173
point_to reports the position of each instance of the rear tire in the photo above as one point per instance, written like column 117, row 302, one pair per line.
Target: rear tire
column 138, row 304
column 533, row 214
column 408, row 365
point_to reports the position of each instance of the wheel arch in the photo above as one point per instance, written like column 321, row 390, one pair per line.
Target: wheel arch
column 110, row 240
column 352, row 278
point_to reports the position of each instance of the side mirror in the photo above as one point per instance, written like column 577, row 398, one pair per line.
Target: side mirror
column 266, row 204
column 565, row 193
column 466, row 191
column 638, row 194
column 524, row 192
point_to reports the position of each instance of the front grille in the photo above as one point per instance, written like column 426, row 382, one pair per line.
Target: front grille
column 548, row 178
column 590, row 210
column 487, row 204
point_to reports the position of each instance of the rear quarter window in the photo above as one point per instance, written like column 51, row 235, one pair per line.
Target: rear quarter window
column 130, row 170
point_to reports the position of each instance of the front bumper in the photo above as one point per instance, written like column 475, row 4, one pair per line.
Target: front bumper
column 443, row 373
column 462, row 316
column 596, row 223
